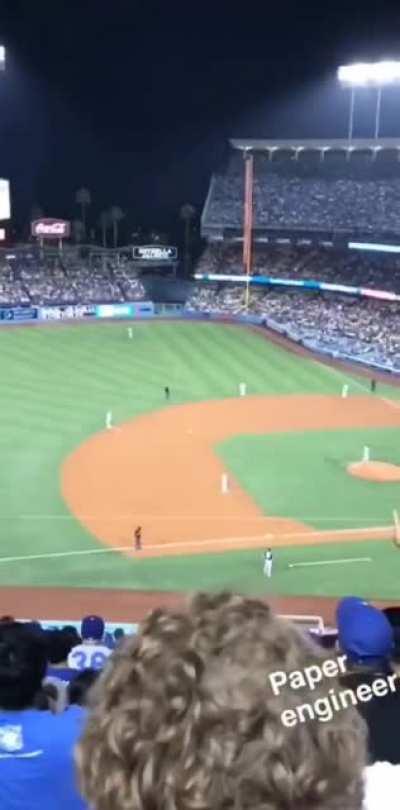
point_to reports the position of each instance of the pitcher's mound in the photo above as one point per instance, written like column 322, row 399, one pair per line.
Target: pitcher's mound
column 375, row 471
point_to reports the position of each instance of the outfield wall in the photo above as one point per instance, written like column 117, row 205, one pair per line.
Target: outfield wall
column 147, row 310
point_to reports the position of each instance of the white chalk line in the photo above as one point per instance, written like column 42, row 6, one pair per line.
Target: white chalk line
column 363, row 387
column 203, row 517
column 182, row 544
column 331, row 562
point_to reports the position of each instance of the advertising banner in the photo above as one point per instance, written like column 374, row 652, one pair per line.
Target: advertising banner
column 50, row 228
column 143, row 309
column 18, row 314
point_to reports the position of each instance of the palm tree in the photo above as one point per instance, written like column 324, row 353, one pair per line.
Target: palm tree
column 187, row 214
column 115, row 214
column 104, row 224
column 83, row 198
column 36, row 212
column 78, row 230
column 158, row 237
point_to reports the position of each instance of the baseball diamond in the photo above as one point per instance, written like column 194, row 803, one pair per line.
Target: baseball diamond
column 72, row 491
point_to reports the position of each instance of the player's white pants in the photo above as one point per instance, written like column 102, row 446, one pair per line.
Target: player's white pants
column 268, row 568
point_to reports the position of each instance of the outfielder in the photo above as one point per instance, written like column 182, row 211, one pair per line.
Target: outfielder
column 130, row 333
column 267, row 563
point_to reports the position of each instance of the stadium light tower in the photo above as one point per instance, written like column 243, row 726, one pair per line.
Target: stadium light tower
column 368, row 74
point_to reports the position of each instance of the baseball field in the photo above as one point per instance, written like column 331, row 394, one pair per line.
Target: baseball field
column 72, row 492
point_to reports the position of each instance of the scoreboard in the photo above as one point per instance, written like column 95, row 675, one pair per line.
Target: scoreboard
column 5, row 207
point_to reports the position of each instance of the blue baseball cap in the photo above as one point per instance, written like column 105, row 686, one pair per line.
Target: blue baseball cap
column 92, row 628
column 365, row 633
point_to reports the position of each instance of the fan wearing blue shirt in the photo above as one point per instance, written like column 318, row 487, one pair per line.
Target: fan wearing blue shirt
column 36, row 747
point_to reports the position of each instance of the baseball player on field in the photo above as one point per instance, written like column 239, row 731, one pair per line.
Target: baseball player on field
column 267, row 570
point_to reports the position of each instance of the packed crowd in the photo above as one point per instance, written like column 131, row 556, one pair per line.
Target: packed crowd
column 290, row 196
column 223, row 704
column 366, row 329
column 67, row 280
column 352, row 268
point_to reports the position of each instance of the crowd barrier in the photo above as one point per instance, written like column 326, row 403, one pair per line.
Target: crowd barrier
column 141, row 310
column 305, row 284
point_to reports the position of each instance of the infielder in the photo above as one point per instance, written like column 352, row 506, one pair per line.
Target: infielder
column 137, row 539
column 242, row 389
column 268, row 563
column 109, row 420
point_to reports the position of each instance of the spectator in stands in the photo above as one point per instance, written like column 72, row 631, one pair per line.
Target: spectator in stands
column 367, row 638
column 80, row 686
column 93, row 652
column 119, row 635
column 36, row 767
column 185, row 717
column 59, row 645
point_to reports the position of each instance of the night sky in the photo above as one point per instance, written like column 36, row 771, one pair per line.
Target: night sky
column 136, row 100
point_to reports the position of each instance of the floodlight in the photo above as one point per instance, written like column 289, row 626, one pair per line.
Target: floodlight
column 369, row 74
column 2, row 57
column 377, row 74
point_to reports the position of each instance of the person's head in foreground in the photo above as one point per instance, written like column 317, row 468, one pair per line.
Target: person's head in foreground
column 22, row 666
column 365, row 635
column 92, row 629
column 184, row 718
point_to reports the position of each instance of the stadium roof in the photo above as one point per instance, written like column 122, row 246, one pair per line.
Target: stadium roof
column 300, row 144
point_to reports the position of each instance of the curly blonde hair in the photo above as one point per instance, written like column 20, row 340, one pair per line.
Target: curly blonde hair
column 184, row 718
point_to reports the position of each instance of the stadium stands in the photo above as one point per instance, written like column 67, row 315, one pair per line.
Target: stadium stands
column 367, row 329
column 315, row 189
column 38, row 732
column 67, row 279
column 352, row 268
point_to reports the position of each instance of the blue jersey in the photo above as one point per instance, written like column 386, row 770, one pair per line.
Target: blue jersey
column 36, row 760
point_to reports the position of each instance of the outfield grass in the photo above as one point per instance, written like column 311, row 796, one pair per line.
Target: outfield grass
column 58, row 383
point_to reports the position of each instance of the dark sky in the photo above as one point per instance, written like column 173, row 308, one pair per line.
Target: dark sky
column 136, row 99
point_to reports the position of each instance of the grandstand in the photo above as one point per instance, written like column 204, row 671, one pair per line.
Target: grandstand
column 321, row 191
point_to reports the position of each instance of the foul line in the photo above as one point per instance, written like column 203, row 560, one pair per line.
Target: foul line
column 184, row 545
column 331, row 562
column 390, row 402
column 203, row 517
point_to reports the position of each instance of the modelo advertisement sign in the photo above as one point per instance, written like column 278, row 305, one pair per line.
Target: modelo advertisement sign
column 51, row 229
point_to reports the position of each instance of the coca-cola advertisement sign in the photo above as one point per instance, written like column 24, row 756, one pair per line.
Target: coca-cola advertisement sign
column 51, row 229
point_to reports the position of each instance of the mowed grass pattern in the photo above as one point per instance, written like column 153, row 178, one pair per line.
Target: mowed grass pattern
column 57, row 384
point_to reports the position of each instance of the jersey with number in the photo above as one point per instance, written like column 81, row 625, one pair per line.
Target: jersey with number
column 88, row 656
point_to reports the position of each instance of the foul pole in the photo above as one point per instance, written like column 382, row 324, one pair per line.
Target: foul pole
column 248, row 220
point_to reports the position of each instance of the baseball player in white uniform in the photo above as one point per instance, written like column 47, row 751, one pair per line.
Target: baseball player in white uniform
column 109, row 423
column 130, row 333
column 242, row 389
column 268, row 563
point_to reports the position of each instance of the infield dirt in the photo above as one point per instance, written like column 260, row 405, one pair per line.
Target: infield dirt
column 161, row 471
